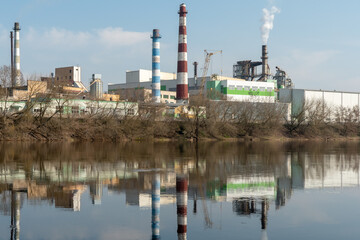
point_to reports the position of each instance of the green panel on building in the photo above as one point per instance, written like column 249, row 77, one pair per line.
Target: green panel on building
column 213, row 89
column 248, row 92
column 163, row 87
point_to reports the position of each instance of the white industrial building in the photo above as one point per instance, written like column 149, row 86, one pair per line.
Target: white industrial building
column 334, row 100
column 230, row 89
column 242, row 91
column 143, row 79
column 70, row 107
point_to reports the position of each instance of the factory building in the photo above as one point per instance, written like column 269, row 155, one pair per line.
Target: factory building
column 69, row 76
column 334, row 100
column 144, row 95
column 142, row 79
column 70, row 107
column 242, row 91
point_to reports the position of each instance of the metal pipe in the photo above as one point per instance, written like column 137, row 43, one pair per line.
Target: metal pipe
column 156, row 87
column 182, row 71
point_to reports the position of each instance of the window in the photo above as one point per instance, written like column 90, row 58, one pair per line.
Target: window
column 75, row 109
column 172, row 97
column 130, row 111
column 254, row 88
column 92, row 110
column 37, row 110
column 166, row 96
column 59, row 109
column 69, row 77
column 269, row 89
column 262, row 89
column 247, row 88
column 239, row 87
column 232, row 87
column 82, row 111
column 14, row 108
column 70, row 71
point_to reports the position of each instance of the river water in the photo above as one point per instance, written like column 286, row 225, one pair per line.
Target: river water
column 217, row 190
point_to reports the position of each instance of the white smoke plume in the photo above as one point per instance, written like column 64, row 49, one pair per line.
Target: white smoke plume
column 268, row 22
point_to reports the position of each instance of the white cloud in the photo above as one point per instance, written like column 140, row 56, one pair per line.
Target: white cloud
column 100, row 38
column 118, row 37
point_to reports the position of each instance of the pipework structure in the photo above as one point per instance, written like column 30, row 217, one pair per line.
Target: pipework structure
column 181, row 206
column 182, row 70
column 17, row 77
column 156, row 66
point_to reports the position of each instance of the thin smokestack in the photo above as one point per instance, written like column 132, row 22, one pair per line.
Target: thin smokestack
column 182, row 71
column 17, row 54
column 264, row 57
column 181, row 205
column 156, row 66
column 12, row 58
column 195, row 72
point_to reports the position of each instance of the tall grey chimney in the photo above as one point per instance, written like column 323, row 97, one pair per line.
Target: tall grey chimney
column 265, row 72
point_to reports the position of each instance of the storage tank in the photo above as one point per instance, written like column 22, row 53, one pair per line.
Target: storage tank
column 96, row 86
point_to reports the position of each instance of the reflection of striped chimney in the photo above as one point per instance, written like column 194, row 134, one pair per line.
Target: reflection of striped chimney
column 156, row 66
column 155, row 207
column 182, row 72
column 17, row 54
column 181, row 204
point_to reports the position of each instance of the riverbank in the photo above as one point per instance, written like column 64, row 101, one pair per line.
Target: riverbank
column 115, row 130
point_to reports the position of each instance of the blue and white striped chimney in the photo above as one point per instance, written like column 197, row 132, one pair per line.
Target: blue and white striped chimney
column 155, row 207
column 156, row 66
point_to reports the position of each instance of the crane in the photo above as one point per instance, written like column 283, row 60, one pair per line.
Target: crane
column 208, row 55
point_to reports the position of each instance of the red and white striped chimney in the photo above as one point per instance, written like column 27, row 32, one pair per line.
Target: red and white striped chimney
column 182, row 71
column 181, row 205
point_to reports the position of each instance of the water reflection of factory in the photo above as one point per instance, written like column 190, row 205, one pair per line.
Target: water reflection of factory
column 251, row 187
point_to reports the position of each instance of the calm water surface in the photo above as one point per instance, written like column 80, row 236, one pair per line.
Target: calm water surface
column 180, row 191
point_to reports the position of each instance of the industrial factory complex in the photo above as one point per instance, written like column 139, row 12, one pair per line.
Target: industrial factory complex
column 169, row 90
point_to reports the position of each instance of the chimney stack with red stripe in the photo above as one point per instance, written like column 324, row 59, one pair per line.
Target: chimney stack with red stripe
column 182, row 71
column 181, row 205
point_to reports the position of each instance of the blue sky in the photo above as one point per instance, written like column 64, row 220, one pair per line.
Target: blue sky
column 316, row 42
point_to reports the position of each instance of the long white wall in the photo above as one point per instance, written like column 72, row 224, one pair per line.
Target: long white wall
column 332, row 99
